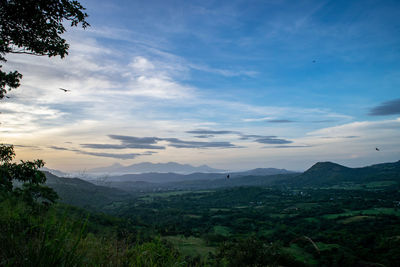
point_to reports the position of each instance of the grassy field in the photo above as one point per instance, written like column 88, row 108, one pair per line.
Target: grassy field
column 190, row 246
column 371, row 212
column 356, row 219
column 151, row 196
column 301, row 255
column 222, row 230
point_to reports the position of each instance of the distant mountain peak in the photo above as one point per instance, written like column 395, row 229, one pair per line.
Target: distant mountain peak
column 146, row 167
column 329, row 173
column 327, row 165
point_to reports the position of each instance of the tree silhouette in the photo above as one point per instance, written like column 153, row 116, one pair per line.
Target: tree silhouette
column 34, row 27
column 32, row 189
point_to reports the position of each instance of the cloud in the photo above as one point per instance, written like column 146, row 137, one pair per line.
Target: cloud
column 224, row 72
column 391, row 107
column 262, row 139
column 283, row 146
column 204, row 136
column 111, row 155
column 106, row 155
column 210, row 132
column 59, row 148
column 28, row 146
column 280, row 121
column 366, row 129
column 272, row 140
column 128, row 142
column 322, row 121
column 333, row 137
column 177, row 143
column 121, row 146
column 147, row 143
column 252, row 136
column 256, row 119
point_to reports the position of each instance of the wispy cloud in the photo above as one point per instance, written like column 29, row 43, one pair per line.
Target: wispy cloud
column 224, row 72
column 105, row 155
column 211, row 132
column 128, row 142
column 272, row 140
column 174, row 142
column 280, row 121
column 342, row 137
column 283, row 146
column 147, row 143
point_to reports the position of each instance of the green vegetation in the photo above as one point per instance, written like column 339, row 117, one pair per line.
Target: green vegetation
column 236, row 226
column 35, row 233
column 53, row 238
column 191, row 246
column 338, row 221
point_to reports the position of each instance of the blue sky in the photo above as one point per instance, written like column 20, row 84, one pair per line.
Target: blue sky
column 231, row 84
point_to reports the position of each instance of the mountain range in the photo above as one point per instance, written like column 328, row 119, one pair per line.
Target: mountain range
column 101, row 192
column 146, row 167
column 156, row 177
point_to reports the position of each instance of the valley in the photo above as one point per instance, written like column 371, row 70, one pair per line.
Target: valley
column 329, row 215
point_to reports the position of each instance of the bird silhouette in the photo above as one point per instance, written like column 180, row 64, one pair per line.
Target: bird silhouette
column 227, row 177
column 377, row 149
column 65, row 90
column 314, row 61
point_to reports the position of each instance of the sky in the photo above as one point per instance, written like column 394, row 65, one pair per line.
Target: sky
column 232, row 84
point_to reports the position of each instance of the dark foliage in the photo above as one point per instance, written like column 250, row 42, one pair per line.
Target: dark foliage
column 26, row 174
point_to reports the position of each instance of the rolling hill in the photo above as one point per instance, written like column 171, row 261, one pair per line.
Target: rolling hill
column 77, row 192
column 329, row 174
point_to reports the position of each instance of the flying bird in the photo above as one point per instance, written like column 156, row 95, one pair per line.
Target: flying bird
column 377, row 149
column 314, row 61
column 65, row 90
column 227, row 177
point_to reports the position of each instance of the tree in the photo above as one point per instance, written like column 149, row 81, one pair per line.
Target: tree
column 34, row 27
column 26, row 173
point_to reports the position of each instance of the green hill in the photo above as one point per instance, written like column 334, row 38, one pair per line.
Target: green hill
column 331, row 174
column 77, row 192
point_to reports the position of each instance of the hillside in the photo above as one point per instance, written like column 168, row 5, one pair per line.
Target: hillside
column 77, row 192
column 330, row 174
column 157, row 177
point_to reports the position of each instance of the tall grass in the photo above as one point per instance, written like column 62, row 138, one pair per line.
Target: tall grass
column 37, row 238
column 46, row 238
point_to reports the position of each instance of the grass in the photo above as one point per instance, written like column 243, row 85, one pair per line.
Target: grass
column 55, row 237
column 193, row 216
column 375, row 211
column 219, row 209
column 312, row 219
column 190, row 246
column 324, row 246
column 222, row 230
column 355, row 219
column 380, row 184
column 300, row 254
column 151, row 196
